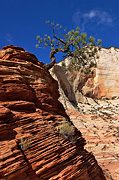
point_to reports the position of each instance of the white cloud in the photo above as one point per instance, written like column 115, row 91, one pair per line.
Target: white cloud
column 90, row 15
column 96, row 16
column 9, row 38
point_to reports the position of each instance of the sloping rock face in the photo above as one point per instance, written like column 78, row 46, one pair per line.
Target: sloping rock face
column 92, row 102
column 33, row 145
column 104, row 83
column 99, row 124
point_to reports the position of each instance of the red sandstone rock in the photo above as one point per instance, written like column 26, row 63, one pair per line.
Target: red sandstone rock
column 31, row 147
column 17, row 54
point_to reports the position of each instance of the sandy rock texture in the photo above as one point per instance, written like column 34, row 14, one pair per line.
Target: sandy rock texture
column 32, row 146
column 99, row 124
column 104, row 83
column 92, row 102
column 106, row 80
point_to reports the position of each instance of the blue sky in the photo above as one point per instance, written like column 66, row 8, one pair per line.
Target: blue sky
column 22, row 20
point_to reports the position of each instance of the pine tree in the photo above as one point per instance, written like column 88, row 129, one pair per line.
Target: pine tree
column 72, row 44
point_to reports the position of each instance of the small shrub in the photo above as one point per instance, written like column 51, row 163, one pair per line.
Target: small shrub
column 67, row 130
column 114, row 97
column 92, row 64
column 63, row 64
column 24, row 143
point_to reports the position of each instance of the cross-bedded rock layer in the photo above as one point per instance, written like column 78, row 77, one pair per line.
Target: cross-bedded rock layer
column 31, row 147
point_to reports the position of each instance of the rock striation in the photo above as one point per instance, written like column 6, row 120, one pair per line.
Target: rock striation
column 99, row 124
column 92, row 102
column 32, row 145
column 106, row 80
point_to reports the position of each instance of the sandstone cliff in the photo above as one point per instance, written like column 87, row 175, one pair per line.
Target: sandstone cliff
column 33, row 145
column 104, row 83
column 106, row 80
column 92, row 102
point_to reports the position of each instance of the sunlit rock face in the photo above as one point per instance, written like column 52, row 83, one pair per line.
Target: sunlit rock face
column 104, row 83
column 106, row 80
column 31, row 145
column 92, row 102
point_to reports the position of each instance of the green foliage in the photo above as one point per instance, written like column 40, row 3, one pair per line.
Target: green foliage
column 52, row 48
column 91, row 40
column 77, row 28
column 99, row 41
column 40, row 40
column 37, row 45
column 67, row 130
column 38, row 37
column 63, row 64
column 72, row 43
column 91, row 64
column 47, row 22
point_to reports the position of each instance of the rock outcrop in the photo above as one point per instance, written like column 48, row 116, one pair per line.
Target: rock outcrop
column 99, row 124
column 92, row 102
column 104, row 83
column 106, row 80
column 33, row 145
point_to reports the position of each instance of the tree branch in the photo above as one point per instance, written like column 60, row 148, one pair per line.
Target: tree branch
column 52, row 57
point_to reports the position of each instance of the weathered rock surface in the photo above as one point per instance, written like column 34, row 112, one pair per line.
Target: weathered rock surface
column 99, row 124
column 31, row 147
column 103, row 83
column 106, row 80
column 92, row 102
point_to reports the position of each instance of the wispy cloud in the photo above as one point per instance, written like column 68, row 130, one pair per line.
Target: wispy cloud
column 94, row 16
column 9, row 38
